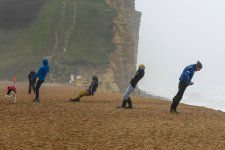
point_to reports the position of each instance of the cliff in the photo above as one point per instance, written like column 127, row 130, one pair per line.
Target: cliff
column 126, row 36
column 79, row 37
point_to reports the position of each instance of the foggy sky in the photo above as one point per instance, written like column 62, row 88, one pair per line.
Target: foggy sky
column 177, row 33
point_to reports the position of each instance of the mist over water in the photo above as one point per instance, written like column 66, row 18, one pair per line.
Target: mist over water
column 174, row 34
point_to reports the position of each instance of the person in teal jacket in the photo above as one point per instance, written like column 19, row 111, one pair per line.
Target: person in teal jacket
column 41, row 75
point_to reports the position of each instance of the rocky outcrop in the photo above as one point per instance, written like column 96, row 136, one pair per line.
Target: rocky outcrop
column 126, row 35
column 80, row 37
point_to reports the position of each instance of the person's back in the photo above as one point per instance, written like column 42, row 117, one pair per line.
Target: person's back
column 42, row 71
column 188, row 73
column 11, row 88
column 94, row 85
column 139, row 74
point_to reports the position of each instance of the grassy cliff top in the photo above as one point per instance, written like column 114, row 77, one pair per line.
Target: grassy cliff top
column 68, row 31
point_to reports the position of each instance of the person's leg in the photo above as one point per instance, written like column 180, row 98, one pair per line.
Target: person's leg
column 33, row 86
column 177, row 98
column 37, row 89
column 129, row 103
column 80, row 95
column 30, row 84
column 126, row 96
column 128, row 91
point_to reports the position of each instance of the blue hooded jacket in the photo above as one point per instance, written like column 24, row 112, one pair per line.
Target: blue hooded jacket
column 188, row 73
column 42, row 71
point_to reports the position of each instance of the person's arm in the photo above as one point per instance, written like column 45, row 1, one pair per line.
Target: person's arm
column 37, row 74
column 188, row 73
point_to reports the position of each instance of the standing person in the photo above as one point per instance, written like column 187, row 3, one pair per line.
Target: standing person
column 41, row 74
column 133, row 82
column 185, row 81
column 31, row 82
column 90, row 91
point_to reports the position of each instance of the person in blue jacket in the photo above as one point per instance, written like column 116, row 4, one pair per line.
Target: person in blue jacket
column 41, row 74
column 185, row 81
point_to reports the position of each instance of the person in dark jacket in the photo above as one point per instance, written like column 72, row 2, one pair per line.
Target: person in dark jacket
column 133, row 82
column 185, row 81
column 31, row 82
column 41, row 74
column 90, row 91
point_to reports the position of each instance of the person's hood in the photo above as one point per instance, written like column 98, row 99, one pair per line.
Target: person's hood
column 45, row 62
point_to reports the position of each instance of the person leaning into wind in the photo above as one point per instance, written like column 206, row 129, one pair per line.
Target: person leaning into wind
column 41, row 74
column 185, row 81
column 133, row 82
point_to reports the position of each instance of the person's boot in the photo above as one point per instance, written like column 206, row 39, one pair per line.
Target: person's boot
column 129, row 103
column 124, row 103
column 36, row 100
column 173, row 110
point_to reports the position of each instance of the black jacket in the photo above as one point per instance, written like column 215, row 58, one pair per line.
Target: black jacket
column 93, row 87
column 30, row 75
column 139, row 74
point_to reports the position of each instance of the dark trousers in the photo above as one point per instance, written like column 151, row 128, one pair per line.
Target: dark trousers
column 177, row 98
column 38, row 85
column 31, row 86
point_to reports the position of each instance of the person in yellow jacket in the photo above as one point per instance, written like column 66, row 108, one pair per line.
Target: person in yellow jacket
column 133, row 82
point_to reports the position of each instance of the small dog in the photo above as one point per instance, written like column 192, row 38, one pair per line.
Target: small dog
column 11, row 94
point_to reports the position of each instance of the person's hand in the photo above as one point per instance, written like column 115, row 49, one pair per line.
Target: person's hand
column 191, row 83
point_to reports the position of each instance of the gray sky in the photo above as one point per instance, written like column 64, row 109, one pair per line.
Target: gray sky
column 176, row 33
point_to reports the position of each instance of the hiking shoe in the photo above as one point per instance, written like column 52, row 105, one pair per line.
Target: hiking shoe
column 173, row 111
column 36, row 100
column 124, row 103
column 129, row 107
column 120, row 107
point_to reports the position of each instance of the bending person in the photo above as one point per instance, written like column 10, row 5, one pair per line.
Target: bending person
column 133, row 82
column 185, row 81
column 41, row 74
column 90, row 91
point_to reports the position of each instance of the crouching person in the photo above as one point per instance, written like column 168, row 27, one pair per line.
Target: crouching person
column 126, row 98
column 90, row 91
column 11, row 94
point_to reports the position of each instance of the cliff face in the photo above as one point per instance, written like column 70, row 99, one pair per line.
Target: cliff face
column 79, row 37
column 126, row 36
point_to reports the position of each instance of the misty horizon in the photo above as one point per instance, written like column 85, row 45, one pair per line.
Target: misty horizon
column 175, row 34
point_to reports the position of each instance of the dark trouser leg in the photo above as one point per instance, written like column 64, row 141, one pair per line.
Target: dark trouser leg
column 29, row 91
column 38, row 85
column 33, row 86
column 178, row 97
column 80, row 95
